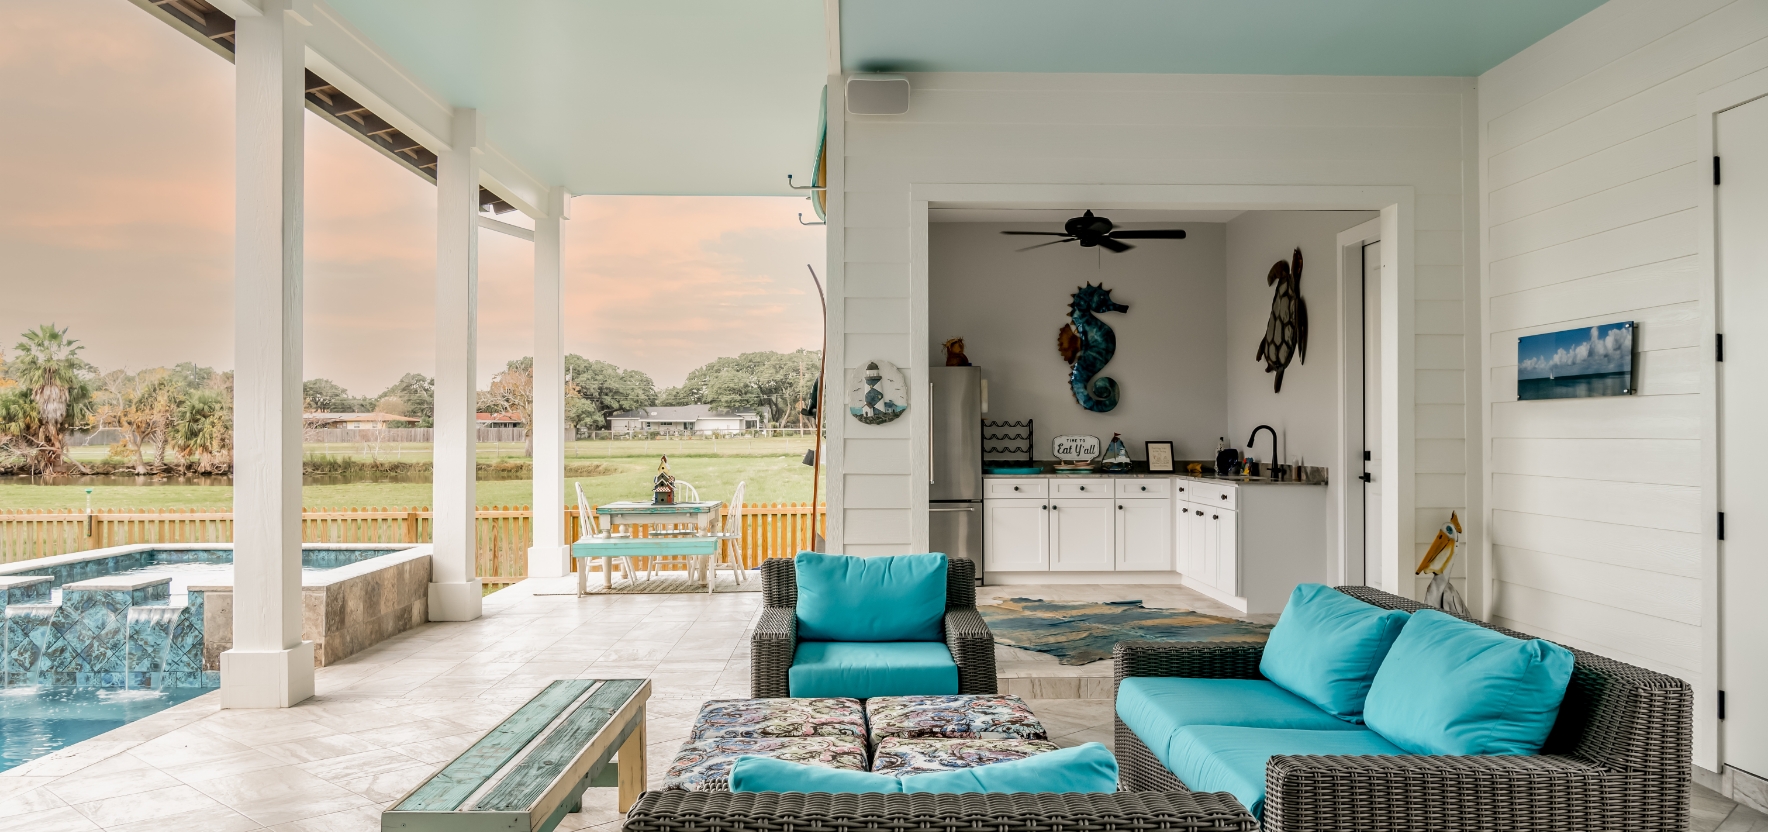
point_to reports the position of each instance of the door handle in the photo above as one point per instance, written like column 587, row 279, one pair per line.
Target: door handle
column 1366, row 477
column 953, row 508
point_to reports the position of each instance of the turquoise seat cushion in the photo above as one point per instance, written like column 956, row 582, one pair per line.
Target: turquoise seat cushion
column 1224, row 758
column 864, row 669
column 1084, row 769
column 1327, row 646
column 1453, row 687
column 1157, row 708
column 894, row 598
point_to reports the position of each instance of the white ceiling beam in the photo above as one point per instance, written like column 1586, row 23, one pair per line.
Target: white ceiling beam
column 237, row 9
column 502, row 227
column 348, row 60
column 832, row 25
column 502, row 176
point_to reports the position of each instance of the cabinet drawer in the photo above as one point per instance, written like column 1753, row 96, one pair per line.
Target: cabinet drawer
column 1015, row 487
column 1211, row 494
column 1081, row 488
column 1144, row 488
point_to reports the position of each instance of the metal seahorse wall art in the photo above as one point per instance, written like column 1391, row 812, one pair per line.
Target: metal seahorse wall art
column 1087, row 344
column 1286, row 332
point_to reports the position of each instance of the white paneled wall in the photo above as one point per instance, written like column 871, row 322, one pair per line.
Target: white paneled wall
column 1591, row 176
column 985, row 128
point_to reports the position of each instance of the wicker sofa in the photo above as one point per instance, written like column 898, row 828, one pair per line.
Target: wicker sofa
column 1124, row 812
column 1617, row 758
column 775, row 641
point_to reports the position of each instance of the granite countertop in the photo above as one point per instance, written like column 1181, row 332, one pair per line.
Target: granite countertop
column 1139, row 470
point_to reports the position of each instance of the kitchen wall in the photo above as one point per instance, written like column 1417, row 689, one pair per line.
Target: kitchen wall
column 1009, row 305
column 1591, row 176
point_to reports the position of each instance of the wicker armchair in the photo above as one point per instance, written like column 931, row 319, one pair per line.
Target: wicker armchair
column 676, row 811
column 1617, row 758
column 775, row 641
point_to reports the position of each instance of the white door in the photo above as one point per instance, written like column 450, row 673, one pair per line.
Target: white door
column 1145, row 534
column 1015, row 535
column 1742, row 200
column 1225, row 534
column 1372, row 476
column 1082, row 534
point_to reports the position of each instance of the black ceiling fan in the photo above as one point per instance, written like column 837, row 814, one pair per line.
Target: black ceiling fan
column 1092, row 231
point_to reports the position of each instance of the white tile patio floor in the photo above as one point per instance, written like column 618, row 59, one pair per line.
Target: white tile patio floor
column 386, row 718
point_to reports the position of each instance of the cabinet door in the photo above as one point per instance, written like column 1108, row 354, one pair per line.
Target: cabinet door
column 1016, row 535
column 1082, row 535
column 1182, row 537
column 1198, row 544
column 1144, row 534
column 1227, row 548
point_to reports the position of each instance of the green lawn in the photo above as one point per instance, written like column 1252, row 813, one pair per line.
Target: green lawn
column 771, row 467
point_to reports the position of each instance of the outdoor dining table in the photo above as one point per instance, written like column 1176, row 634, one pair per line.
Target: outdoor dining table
column 664, row 542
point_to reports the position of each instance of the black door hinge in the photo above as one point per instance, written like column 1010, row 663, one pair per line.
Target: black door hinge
column 1721, row 704
column 1715, row 170
column 1719, row 346
column 1721, row 525
column 1366, row 456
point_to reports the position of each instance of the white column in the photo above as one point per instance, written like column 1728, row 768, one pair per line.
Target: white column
column 269, row 665
column 455, row 594
column 551, row 555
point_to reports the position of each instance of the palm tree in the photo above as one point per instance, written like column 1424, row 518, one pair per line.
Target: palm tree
column 203, row 429
column 50, row 367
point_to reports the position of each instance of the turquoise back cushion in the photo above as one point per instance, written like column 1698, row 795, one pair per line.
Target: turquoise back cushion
column 1327, row 647
column 846, row 598
column 1452, row 687
column 1088, row 769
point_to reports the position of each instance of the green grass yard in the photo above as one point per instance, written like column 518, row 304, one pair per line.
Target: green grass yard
column 772, row 467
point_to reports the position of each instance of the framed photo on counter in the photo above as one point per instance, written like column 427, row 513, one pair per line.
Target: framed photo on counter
column 1160, row 456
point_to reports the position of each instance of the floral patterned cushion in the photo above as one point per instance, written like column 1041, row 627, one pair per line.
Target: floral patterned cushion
column 762, row 718
column 988, row 717
column 705, row 765
column 899, row 757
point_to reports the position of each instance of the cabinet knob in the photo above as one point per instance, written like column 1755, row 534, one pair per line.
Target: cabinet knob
column 1046, row 508
column 1181, row 488
column 1224, row 496
column 1120, row 507
column 1083, row 488
column 1015, row 488
column 1144, row 488
column 1215, row 517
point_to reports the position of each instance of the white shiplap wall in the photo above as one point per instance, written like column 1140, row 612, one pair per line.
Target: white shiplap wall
column 1151, row 129
column 1591, row 177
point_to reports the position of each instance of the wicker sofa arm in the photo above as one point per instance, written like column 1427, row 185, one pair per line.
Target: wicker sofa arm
column 1187, row 659
column 1328, row 793
column 681, row 811
column 972, row 646
column 771, row 649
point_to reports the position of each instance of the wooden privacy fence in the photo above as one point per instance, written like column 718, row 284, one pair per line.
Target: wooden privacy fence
column 772, row 530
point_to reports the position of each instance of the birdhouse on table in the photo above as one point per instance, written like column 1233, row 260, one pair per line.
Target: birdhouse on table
column 663, row 486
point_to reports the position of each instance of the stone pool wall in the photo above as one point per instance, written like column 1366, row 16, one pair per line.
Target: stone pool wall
column 117, row 631
column 355, row 607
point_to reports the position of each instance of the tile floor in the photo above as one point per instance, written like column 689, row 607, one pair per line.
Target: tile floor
column 384, row 719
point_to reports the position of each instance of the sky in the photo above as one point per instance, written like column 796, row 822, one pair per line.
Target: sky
column 118, row 224
column 1575, row 352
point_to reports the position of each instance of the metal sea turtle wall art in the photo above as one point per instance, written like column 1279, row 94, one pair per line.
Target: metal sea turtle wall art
column 1286, row 332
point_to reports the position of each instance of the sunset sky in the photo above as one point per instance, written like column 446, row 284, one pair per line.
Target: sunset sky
column 118, row 223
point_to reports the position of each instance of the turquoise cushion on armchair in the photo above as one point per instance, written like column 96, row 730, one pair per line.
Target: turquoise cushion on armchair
column 862, row 670
column 847, row 598
column 1327, row 646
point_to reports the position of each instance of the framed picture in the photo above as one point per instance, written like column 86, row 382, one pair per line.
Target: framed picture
column 1160, row 456
column 1576, row 363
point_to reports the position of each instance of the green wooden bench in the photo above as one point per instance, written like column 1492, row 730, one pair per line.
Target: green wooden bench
column 526, row 774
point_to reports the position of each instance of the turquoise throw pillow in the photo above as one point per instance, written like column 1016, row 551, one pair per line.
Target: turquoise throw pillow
column 1327, row 647
column 1088, row 769
column 1453, row 687
column 895, row 598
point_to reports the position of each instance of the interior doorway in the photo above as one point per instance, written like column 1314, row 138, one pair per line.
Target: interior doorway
column 1369, row 473
column 1741, row 202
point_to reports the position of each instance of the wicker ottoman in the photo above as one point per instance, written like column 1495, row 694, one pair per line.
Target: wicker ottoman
column 705, row 765
column 774, row 718
column 979, row 716
column 899, row 757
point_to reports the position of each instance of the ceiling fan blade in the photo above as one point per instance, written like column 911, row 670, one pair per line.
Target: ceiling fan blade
column 1050, row 243
column 1039, row 233
column 1114, row 245
column 1151, row 234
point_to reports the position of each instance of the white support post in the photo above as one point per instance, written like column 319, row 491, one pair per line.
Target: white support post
column 551, row 555
column 269, row 666
column 455, row 593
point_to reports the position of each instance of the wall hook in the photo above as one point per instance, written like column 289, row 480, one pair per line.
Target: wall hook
column 802, row 187
column 802, row 222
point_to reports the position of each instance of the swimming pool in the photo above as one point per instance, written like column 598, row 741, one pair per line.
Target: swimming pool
column 35, row 721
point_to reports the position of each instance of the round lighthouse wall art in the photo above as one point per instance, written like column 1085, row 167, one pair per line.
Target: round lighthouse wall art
column 876, row 393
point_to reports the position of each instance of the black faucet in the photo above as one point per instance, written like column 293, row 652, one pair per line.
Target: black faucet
column 1275, row 459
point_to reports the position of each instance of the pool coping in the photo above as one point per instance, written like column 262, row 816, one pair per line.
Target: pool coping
column 332, row 576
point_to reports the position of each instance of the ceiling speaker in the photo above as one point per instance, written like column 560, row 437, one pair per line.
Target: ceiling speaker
column 877, row 95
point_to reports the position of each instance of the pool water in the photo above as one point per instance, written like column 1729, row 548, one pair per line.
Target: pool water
column 197, row 573
column 35, row 721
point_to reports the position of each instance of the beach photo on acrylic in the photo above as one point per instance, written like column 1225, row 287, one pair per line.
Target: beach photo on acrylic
column 1576, row 363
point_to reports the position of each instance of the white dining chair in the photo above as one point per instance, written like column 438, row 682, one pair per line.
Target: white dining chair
column 592, row 527
column 730, row 552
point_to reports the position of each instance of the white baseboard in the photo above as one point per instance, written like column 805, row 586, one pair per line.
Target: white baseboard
column 1067, row 578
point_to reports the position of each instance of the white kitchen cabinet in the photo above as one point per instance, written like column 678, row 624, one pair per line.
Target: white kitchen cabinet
column 1225, row 537
column 1144, row 531
column 1083, row 534
column 1249, row 545
column 1015, row 535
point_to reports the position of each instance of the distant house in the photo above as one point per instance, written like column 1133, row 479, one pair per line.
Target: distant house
column 693, row 418
column 500, row 420
column 356, row 421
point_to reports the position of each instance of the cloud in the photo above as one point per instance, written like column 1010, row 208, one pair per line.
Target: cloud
column 1598, row 352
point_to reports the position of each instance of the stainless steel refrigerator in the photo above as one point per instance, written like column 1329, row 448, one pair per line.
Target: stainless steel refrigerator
column 954, row 480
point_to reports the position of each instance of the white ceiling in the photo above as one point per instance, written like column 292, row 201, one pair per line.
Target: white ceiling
column 1057, row 216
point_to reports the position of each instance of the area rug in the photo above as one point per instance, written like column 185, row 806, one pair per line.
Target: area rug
column 1085, row 632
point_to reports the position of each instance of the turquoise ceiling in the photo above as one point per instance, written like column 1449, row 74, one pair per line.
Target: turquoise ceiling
column 1256, row 37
